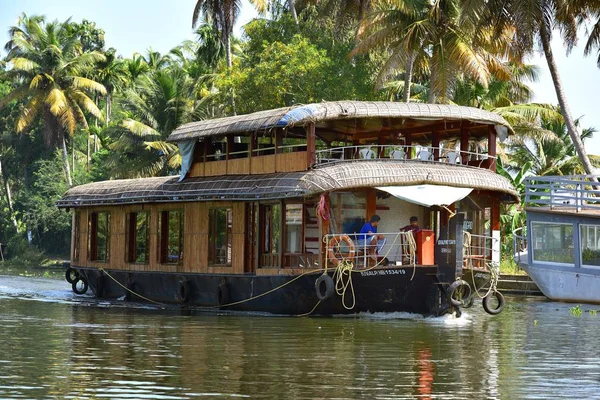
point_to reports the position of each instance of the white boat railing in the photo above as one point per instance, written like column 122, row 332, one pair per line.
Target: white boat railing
column 398, row 248
column 402, row 152
column 520, row 246
column 575, row 192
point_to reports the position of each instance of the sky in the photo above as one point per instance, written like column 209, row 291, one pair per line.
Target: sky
column 136, row 25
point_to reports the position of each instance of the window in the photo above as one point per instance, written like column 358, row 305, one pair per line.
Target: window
column 138, row 237
column 76, row 233
column 590, row 244
column 99, row 227
column 272, row 228
column 171, row 237
column 220, row 238
column 553, row 242
column 293, row 228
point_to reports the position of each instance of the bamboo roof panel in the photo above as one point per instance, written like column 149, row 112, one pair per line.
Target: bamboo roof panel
column 343, row 176
column 346, row 116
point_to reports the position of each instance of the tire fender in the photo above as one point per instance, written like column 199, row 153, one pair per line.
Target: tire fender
column 71, row 274
column 183, row 294
column 452, row 289
column 324, row 287
column 77, row 290
column 223, row 297
column 487, row 305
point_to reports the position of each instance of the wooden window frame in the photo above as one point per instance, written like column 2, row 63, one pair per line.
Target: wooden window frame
column 76, row 236
column 93, row 236
column 132, row 237
column 212, row 235
column 163, row 230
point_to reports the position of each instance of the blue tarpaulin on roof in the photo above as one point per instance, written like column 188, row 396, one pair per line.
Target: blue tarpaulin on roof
column 186, row 149
column 297, row 114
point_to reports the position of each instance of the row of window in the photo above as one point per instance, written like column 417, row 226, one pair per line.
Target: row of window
column 554, row 242
column 170, row 238
column 270, row 235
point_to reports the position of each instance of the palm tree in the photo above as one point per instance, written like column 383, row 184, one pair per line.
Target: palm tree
column 223, row 15
column 443, row 36
column 155, row 107
column 548, row 154
column 48, row 67
column 534, row 21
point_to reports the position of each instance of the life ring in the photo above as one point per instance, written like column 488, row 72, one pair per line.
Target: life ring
column 223, row 294
column 71, row 274
column 183, row 295
column 324, row 287
column 76, row 289
column 489, row 308
column 334, row 241
column 453, row 290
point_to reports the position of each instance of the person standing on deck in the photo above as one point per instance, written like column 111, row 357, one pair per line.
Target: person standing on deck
column 413, row 226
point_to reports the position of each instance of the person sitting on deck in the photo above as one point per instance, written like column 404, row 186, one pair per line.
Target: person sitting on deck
column 368, row 237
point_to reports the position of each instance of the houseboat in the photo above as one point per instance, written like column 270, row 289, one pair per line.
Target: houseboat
column 268, row 211
column 563, row 237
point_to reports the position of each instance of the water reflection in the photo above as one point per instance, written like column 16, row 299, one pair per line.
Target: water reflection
column 60, row 347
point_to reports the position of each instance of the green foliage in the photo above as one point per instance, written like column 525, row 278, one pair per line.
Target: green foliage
column 575, row 311
column 50, row 226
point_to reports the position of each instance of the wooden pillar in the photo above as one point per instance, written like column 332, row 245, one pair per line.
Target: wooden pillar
column 492, row 147
column 435, row 143
column 278, row 141
column 408, row 144
column 311, row 143
column 371, row 203
column 464, row 145
column 495, row 228
column 229, row 146
column 324, row 228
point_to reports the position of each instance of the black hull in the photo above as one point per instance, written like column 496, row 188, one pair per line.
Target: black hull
column 391, row 289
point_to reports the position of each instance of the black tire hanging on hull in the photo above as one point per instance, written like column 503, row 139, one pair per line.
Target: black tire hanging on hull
column 71, row 274
column 453, row 291
column 487, row 306
column 183, row 294
column 324, row 287
column 75, row 287
column 223, row 297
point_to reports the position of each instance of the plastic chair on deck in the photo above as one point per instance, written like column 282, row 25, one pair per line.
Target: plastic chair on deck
column 367, row 153
column 398, row 154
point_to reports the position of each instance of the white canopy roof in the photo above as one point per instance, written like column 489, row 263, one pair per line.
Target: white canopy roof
column 428, row 195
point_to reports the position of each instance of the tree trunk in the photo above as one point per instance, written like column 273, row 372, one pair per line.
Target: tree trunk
column 229, row 64
column 66, row 161
column 108, row 107
column 431, row 97
column 87, row 164
column 8, row 197
column 292, row 7
column 408, row 78
column 562, row 100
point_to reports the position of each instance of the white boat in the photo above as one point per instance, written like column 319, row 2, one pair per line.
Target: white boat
column 563, row 237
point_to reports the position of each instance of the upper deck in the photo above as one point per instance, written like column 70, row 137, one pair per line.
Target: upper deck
column 568, row 194
column 303, row 137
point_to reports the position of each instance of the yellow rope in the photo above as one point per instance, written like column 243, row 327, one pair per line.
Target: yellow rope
column 310, row 312
column 129, row 290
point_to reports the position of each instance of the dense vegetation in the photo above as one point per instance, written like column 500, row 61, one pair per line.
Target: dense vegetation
column 73, row 111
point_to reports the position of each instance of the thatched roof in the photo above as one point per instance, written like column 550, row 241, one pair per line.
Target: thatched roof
column 327, row 113
column 286, row 185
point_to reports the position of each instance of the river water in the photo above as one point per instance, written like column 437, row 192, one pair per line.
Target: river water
column 57, row 345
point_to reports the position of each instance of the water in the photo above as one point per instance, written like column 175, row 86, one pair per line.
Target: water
column 55, row 345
